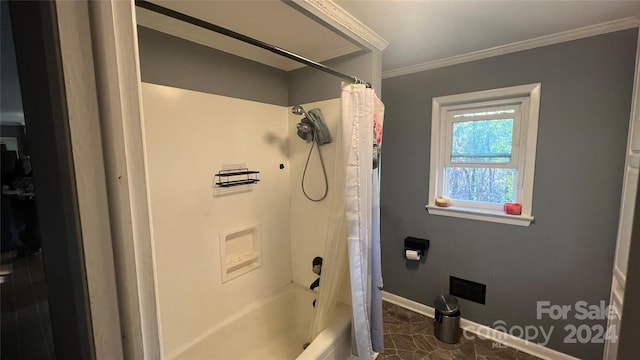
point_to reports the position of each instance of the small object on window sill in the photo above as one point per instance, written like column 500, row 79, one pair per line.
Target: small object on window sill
column 443, row 201
column 512, row 208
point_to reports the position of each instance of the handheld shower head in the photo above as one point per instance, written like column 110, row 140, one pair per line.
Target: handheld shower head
column 312, row 128
column 305, row 127
column 298, row 110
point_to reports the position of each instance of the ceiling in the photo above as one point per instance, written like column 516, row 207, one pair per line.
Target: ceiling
column 418, row 31
column 423, row 31
column 274, row 22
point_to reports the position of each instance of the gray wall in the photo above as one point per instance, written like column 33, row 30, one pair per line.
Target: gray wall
column 10, row 98
column 566, row 255
column 172, row 61
column 168, row 60
column 309, row 85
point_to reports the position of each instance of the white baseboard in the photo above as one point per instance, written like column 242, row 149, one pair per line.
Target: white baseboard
column 486, row 332
column 408, row 304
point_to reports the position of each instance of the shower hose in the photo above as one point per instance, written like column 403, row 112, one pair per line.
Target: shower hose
column 324, row 171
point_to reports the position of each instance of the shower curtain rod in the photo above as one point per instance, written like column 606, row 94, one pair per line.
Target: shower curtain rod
column 249, row 40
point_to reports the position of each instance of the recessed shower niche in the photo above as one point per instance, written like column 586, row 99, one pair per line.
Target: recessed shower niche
column 240, row 251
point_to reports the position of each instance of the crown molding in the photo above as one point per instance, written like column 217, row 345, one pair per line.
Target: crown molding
column 332, row 13
column 575, row 34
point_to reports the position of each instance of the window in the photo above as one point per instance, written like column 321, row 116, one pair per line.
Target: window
column 483, row 148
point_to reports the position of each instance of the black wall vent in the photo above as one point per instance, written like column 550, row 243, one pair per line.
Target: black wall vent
column 467, row 289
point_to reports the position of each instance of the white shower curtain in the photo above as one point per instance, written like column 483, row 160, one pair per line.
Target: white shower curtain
column 362, row 118
column 334, row 263
column 354, row 224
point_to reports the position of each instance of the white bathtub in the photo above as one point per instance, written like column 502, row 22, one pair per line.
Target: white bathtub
column 276, row 328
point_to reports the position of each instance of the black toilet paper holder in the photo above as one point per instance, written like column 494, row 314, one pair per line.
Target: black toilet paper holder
column 417, row 244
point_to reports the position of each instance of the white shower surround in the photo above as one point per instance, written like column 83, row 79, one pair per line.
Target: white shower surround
column 189, row 137
column 275, row 328
column 309, row 220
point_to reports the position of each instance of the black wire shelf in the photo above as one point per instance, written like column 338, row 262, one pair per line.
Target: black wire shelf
column 236, row 177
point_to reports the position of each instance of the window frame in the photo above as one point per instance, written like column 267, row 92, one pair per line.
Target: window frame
column 524, row 139
column 448, row 115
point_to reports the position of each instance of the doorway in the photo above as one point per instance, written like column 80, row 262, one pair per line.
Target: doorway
column 45, row 307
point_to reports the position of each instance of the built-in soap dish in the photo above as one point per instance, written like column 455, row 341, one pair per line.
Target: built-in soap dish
column 240, row 252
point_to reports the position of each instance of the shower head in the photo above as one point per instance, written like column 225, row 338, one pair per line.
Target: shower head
column 306, row 129
column 299, row 110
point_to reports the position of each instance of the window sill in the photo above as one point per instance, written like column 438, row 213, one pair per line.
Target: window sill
column 483, row 215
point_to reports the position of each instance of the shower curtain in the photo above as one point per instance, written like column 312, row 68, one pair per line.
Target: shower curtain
column 354, row 225
column 362, row 115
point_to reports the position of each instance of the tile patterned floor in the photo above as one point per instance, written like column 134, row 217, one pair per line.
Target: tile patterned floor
column 409, row 336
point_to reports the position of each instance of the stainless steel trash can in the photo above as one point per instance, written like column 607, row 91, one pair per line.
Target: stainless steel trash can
column 447, row 319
